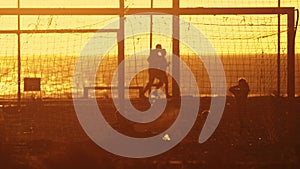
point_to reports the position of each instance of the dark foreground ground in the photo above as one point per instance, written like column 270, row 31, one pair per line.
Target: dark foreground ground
column 47, row 135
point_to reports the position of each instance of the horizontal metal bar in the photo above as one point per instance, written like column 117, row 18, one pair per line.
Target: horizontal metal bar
column 111, row 87
column 129, row 11
column 59, row 11
column 211, row 11
column 86, row 89
column 235, row 11
column 58, row 31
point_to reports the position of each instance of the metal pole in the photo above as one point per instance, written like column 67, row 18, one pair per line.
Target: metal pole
column 291, row 77
column 176, row 65
column 19, row 60
column 145, row 11
column 278, row 52
column 121, row 54
column 151, row 24
column 291, row 55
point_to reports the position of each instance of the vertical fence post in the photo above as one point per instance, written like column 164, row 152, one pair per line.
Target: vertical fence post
column 291, row 55
column 292, row 123
column 151, row 26
column 121, row 54
column 278, row 50
column 19, row 59
column 176, row 51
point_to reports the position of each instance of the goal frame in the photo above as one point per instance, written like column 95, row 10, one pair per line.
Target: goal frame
column 176, row 11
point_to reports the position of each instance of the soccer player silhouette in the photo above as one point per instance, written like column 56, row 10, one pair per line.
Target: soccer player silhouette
column 157, row 69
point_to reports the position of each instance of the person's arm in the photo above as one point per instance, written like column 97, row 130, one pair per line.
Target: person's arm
column 234, row 89
column 150, row 55
column 165, row 62
column 163, row 52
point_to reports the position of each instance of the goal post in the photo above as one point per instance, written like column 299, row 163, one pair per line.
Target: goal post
column 175, row 11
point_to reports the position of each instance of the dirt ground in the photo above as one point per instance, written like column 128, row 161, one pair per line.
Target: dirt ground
column 47, row 135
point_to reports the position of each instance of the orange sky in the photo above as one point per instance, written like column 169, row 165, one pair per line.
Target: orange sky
column 146, row 3
column 233, row 34
column 204, row 23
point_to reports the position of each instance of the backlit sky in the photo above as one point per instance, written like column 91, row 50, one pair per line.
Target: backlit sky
column 222, row 31
column 230, row 35
column 146, row 3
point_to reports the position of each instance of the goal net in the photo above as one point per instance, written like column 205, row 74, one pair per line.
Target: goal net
column 246, row 44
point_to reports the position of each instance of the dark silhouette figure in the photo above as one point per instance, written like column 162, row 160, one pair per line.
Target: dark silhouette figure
column 240, row 93
column 157, row 69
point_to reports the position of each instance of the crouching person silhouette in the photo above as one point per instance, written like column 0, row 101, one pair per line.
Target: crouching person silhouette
column 240, row 93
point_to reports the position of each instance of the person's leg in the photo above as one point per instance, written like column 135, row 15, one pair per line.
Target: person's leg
column 150, row 82
column 160, row 78
column 165, row 79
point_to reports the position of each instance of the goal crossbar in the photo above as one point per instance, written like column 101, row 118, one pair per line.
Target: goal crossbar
column 130, row 11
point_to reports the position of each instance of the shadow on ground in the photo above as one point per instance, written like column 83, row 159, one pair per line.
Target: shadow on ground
column 50, row 137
